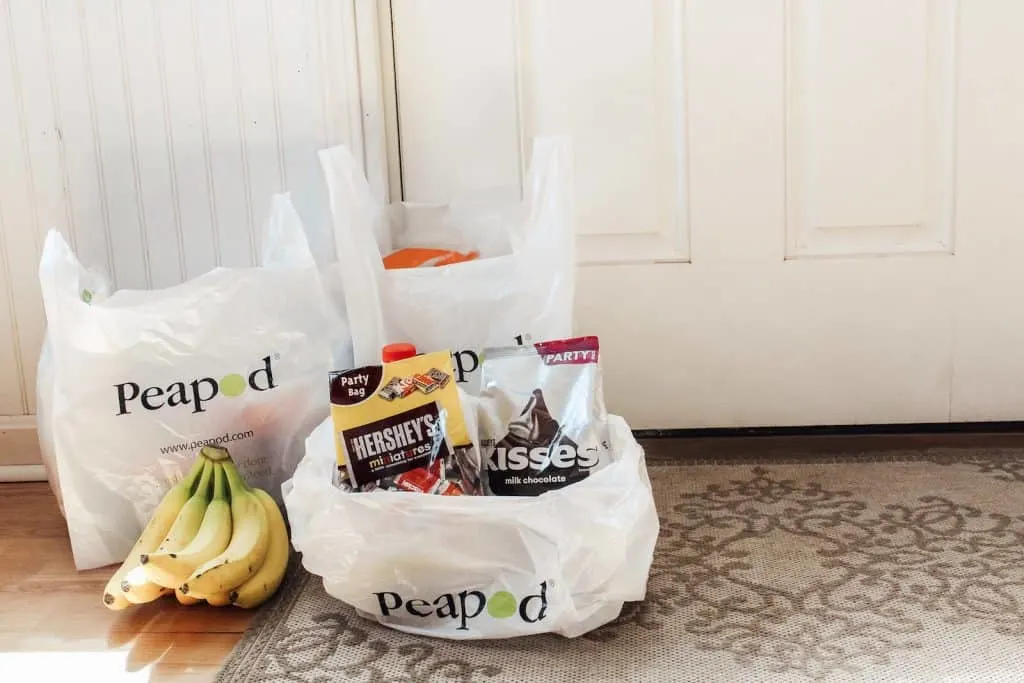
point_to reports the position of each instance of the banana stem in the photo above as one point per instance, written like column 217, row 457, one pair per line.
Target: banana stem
column 235, row 480
column 203, row 489
column 198, row 467
column 220, row 490
column 215, row 453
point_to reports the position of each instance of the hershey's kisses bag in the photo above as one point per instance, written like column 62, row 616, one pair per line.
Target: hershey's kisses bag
column 543, row 422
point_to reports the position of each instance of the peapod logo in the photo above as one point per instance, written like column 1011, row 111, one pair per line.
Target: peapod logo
column 467, row 605
column 467, row 361
column 196, row 392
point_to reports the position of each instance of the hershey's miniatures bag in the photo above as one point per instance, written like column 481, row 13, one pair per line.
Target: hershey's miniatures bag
column 543, row 422
column 400, row 426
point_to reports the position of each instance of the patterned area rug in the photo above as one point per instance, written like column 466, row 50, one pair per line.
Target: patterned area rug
column 883, row 567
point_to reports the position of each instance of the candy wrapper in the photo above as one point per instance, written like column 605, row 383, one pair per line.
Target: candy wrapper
column 543, row 422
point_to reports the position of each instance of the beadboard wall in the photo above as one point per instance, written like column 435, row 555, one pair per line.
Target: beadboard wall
column 152, row 134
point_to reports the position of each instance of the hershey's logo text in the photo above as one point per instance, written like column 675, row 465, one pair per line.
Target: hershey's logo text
column 408, row 433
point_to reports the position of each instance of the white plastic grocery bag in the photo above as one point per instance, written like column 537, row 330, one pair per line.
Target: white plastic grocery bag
column 132, row 383
column 470, row 567
column 521, row 287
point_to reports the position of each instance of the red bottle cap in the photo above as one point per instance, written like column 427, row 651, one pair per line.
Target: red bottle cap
column 399, row 351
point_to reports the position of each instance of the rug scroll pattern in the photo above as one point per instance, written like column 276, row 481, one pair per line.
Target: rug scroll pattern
column 788, row 572
column 878, row 572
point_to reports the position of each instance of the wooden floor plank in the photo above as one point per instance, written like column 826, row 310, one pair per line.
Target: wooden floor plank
column 158, row 657
column 52, row 620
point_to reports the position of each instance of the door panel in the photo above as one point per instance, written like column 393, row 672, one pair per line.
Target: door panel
column 449, row 149
column 870, row 126
column 989, row 326
column 790, row 212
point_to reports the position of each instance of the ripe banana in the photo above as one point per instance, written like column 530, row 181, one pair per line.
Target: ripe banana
column 186, row 599
column 245, row 554
column 171, row 569
column 138, row 590
column 186, row 525
column 219, row 600
column 266, row 581
column 155, row 530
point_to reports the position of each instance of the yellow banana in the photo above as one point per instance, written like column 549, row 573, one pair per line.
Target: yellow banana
column 266, row 581
column 138, row 590
column 171, row 569
column 186, row 524
column 219, row 599
column 248, row 548
column 186, row 599
column 155, row 530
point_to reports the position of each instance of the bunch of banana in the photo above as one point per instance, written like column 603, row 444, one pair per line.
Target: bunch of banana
column 212, row 538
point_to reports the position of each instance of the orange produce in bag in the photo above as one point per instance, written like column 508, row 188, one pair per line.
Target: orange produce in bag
column 423, row 257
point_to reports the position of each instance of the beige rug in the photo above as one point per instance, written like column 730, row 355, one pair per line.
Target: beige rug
column 886, row 567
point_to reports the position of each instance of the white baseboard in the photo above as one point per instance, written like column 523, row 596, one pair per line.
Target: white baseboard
column 11, row 473
column 19, row 450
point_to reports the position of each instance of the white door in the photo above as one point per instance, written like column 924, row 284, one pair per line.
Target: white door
column 791, row 212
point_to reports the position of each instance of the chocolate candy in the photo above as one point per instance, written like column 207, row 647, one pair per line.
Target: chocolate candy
column 341, row 479
column 385, row 484
column 404, row 386
column 398, row 387
column 425, row 383
column 462, row 467
column 420, row 480
column 450, row 488
column 388, row 393
column 439, row 376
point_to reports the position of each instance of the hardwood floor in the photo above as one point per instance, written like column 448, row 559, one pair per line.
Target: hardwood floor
column 52, row 621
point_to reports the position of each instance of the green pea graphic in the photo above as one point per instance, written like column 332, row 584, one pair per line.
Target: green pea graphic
column 232, row 385
column 501, row 605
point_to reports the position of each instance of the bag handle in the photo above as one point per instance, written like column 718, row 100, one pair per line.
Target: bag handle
column 543, row 222
column 548, row 196
column 64, row 281
column 359, row 252
column 284, row 242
